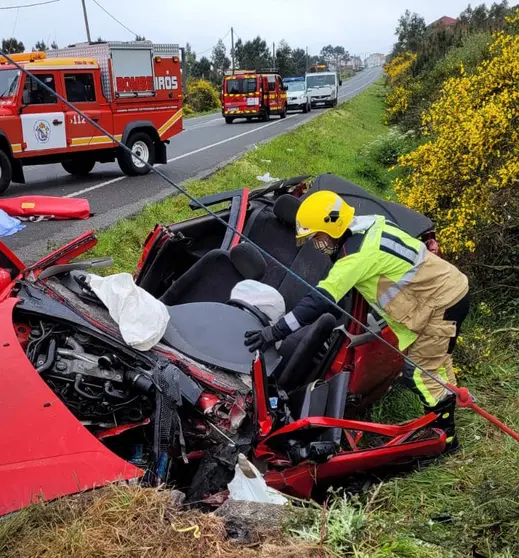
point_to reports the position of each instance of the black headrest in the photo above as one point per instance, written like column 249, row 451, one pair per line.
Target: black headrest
column 285, row 209
column 248, row 260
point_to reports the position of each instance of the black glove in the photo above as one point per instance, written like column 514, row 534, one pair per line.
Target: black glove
column 262, row 340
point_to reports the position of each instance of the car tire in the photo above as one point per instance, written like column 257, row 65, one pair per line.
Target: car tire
column 79, row 167
column 6, row 171
column 141, row 144
column 283, row 113
column 265, row 117
column 229, row 119
column 305, row 108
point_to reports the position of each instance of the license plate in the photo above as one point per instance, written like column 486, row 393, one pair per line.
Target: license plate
column 320, row 104
column 251, row 102
column 232, row 108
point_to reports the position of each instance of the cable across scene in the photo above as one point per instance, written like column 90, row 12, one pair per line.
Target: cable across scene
column 209, row 211
column 29, row 5
column 114, row 18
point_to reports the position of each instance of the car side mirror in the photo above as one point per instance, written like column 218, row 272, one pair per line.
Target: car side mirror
column 285, row 87
column 340, row 82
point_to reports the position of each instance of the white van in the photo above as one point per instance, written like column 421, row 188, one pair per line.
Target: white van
column 323, row 89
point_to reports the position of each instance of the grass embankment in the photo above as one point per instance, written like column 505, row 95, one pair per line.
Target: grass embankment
column 462, row 506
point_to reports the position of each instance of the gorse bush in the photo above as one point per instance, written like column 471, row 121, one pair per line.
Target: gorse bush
column 466, row 176
column 201, row 96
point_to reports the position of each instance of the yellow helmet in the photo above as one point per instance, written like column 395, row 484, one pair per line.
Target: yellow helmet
column 324, row 212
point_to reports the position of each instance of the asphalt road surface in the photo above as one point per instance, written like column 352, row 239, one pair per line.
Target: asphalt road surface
column 205, row 144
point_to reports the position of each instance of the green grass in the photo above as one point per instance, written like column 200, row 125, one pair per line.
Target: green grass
column 329, row 143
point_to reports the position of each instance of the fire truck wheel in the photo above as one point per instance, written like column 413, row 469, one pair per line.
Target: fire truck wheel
column 284, row 113
column 229, row 119
column 141, row 145
column 6, row 172
column 78, row 167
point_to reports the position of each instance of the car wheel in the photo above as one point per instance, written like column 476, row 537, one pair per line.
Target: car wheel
column 6, row 171
column 265, row 117
column 79, row 167
column 141, row 145
column 229, row 119
column 283, row 112
column 305, row 109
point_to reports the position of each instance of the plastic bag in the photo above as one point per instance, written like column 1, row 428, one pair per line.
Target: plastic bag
column 9, row 225
column 263, row 297
column 248, row 485
column 142, row 319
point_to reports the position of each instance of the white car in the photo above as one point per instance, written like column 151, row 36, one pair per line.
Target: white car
column 323, row 89
column 297, row 95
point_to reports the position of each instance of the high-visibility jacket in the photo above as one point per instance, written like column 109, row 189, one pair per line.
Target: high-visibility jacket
column 394, row 272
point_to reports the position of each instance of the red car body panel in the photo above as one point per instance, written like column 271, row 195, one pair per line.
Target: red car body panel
column 45, row 452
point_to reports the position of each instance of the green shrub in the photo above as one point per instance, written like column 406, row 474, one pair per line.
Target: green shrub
column 383, row 153
column 201, row 96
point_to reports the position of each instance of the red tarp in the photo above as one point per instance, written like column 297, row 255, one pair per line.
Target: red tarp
column 48, row 207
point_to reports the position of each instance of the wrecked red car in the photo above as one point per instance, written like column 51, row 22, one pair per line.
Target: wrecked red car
column 80, row 408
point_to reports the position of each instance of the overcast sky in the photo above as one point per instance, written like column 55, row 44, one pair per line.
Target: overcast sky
column 364, row 26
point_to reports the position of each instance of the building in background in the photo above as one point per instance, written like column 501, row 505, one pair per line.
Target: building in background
column 374, row 60
column 444, row 22
column 354, row 63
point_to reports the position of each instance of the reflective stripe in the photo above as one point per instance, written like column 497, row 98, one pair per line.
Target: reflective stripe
column 422, row 388
column 292, row 322
column 385, row 298
column 397, row 250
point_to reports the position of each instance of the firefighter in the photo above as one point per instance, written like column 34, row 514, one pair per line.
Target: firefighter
column 423, row 298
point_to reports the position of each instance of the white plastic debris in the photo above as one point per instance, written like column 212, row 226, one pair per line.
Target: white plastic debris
column 290, row 150
column 248, row 485
column 266, row 160
column 267, row 178
column 142, row 319
column 262, row 296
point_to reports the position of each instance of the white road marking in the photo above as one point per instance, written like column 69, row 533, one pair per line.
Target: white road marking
column 198, row 126
column 229, row 139
column 85, row 190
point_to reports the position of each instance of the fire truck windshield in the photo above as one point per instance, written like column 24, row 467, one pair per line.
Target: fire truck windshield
column 8, row 82
column 320, row 80
column 237, row 86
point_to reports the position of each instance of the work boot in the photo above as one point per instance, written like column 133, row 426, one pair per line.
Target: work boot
column 446, row 422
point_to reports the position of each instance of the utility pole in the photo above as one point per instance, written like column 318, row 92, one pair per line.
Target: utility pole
column 86, row 21
column 306, row 59
column 232, row 49
column 274, row 56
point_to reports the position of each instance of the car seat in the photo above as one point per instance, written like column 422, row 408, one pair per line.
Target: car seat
column 212, row 278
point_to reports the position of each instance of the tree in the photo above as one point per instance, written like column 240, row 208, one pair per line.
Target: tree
column 140, row 38
column 40, row 46
column 12, row 46
column 410, row 33
column 190, row 60
column 202, row 68
column 221, row 62
column 253, row 55
column 54, row 45
column 327, row 54
column 299, row 61
column 284, row 61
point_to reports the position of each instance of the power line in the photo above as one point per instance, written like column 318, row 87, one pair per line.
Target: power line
column 211, row 48
column 28, row 5
column 114, row 18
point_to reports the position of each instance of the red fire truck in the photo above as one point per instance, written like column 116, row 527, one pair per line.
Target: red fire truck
column 247, row 94
column 132, row 90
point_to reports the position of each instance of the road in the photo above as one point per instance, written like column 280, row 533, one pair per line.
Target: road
column 205, row 144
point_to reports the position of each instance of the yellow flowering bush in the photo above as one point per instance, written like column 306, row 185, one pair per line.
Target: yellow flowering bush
column 399, row 74
column 467, row 176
